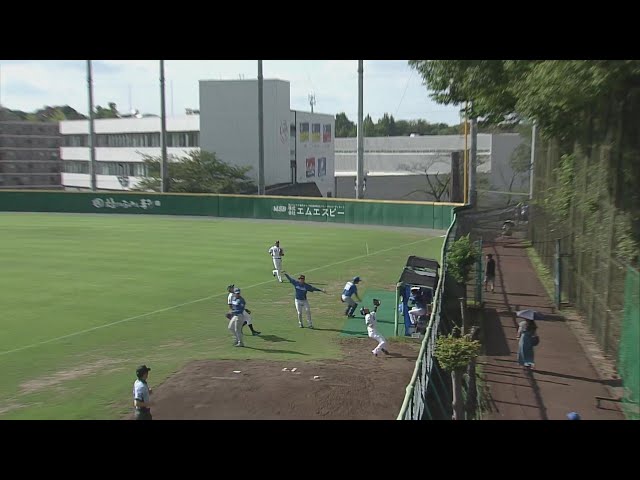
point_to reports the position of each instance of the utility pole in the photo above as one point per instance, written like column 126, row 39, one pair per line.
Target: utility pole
column 163, row 132
column 260, row 131
column 473, row 154
column 533, row 159
column 360, row 161
column 92, row 135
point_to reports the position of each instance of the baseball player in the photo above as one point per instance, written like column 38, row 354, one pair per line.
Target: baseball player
column 276, row 254
column 419, row 299
column 247, row 312
column 237, row 317
column 301, row 297
column 141, row 392
column 350, row 290
column 371, row 323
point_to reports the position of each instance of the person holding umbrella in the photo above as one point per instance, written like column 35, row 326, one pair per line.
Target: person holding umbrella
column 527, row 337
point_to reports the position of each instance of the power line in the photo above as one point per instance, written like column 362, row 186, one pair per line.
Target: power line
column 405, row 91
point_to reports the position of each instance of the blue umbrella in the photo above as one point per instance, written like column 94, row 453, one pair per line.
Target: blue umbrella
column 529, row 315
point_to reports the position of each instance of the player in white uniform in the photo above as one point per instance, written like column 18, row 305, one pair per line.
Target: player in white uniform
column 246, row 314
column 276, row 254
column 371, row 323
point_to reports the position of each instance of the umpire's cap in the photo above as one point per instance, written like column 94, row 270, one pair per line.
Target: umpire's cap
column 236, row 290
column 356, row 279
column 141, row 370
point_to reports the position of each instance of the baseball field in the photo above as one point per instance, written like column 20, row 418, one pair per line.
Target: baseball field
column 84, row 299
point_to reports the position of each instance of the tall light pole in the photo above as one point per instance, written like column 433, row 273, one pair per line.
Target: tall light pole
column 473, row 154
column 164, row 168
column 260, row 131
column 533, row 159
column 360, row 161
column 92, row 134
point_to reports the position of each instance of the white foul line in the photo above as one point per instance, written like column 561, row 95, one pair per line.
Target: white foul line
column 200, row 300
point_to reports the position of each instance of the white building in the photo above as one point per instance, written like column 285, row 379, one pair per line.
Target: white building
column 395, row 167
column 298, row 146
column 121, row 144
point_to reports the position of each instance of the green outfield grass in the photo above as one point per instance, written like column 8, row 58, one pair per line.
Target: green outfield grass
column 84, row 299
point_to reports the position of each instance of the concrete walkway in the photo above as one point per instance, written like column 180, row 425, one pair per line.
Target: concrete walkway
column 563, row 380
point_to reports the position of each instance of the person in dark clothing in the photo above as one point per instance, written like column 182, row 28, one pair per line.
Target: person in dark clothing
column 490, row 273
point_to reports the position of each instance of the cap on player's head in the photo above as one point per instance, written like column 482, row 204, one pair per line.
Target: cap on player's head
column 141, row 370
column 236, row 290
column 277, row 242
column 573, row 416
column 356, row 279
column 231, row 287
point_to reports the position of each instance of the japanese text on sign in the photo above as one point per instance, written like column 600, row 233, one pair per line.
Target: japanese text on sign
column 145, row 203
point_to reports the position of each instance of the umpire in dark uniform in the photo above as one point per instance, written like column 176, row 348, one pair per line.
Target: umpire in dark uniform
column 141, row 393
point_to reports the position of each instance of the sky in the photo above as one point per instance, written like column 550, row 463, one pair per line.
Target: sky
column 389, row 85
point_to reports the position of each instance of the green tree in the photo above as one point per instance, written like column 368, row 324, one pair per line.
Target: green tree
column 110, row 112
column 345, row 128
column 369, row 127
column 386, row 126
column 454, row 354
column 198, row 172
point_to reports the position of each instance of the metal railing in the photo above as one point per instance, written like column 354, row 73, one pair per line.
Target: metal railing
column 415, row 405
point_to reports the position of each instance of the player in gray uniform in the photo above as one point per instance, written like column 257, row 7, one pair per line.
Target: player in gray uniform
column 371, row 323
column 141, row 393
column 247, row 312
column 276, row 254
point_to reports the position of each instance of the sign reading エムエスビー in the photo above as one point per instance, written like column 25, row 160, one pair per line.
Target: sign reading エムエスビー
column 315, row 211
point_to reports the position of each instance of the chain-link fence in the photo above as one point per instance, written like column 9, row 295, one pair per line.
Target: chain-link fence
column 428, row 395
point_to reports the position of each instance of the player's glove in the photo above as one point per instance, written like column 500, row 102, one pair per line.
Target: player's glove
column 248, row 311
column 229, row 316
column 376, row 302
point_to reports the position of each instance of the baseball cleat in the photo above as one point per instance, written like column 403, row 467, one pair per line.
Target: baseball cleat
column 255, row 332
column 385, row 351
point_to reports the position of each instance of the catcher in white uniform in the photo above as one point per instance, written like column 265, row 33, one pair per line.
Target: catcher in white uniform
column 276, row 254
column 371, row 323
column 246, row 313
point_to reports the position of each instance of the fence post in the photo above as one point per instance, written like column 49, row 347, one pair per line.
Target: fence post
column 558, row 274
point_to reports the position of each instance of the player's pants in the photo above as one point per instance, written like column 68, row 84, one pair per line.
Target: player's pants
column 382, row 343
column 277, row 265
column 246, row 318
column 414, row 313
column 300, row 306
column 351, row 305
column 143, row 414
column 235, row 325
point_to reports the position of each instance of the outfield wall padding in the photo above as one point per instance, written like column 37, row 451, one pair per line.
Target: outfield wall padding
column 362, row 212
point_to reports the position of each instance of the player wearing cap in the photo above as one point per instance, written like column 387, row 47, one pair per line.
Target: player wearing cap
column 420, row 301
column 372, row 327
column 141, row 393
column 237, row 317
column 301, row 289
column 247, row 313
column 351, row 290
column 276, row 254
